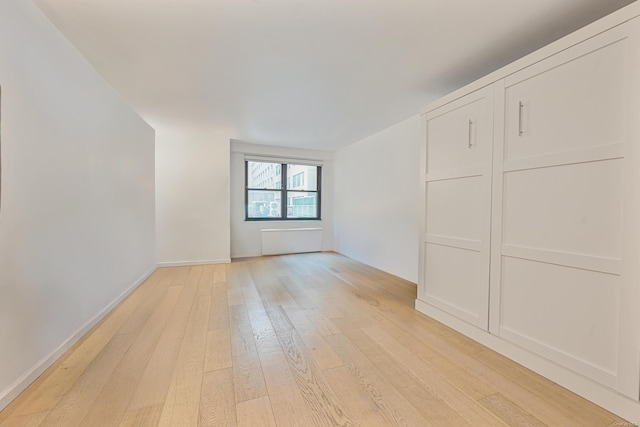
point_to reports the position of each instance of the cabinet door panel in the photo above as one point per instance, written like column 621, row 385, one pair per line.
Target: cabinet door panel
column 455, row 252
column 456, row 138
column 455, row 208
column 567, row 314
column 576, row 104
column 454, row 284
column 574, row 208
column 565, row 208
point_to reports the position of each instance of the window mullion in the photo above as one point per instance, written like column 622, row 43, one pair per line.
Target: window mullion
column 284, row 192
column 246, row 190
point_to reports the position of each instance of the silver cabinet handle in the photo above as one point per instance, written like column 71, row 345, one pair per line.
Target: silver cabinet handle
column 520, row 114
column 470, row 133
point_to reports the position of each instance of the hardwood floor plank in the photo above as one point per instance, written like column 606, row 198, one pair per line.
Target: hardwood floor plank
column 247, row 371
column 466, row 406
column 219, row 316
column 256, row 412
column 138, row 318
column 324, row 405
column 473, row 386
column 322, row 324
column 247, row 377
column 323, row 300
column 218, row 354
column 217, row 403
column 357, row 403
column 294, row 263
column 315, row 290
column 575, row 408
column 399, row 311
column 75, row 404
column 8, row 411
column 509, row 412
column 307, row 329
column 432, row 408
column 389, row 403
column 182, row 405
column 288, row 406
column 296, row 340
column 320, row 349
column 48, row 393
column 268, row 285
column 205, row 284
column 32, row 420
column 219, row 273
column 293, row 284
column 343, row 289
column 147, row 416
column 546, row 412
column 270, row 288
column 154, row 384
column 379, row 287
column 457, row 353
column 234, row 297
column 181, row 274
column 111, row 404
column 156, row 379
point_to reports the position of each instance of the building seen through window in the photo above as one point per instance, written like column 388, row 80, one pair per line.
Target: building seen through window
column 281, row 191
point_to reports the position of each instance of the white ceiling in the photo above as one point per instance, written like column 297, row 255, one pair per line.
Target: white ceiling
column 315, row 74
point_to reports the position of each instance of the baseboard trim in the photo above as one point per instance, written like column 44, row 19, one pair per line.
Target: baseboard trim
column 245, row 255
column 188, row 263
column 602, row 396
column 8, row 395
column 241, row 255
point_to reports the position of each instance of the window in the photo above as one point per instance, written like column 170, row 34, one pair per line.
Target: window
column 281, row 191
column 298, row 180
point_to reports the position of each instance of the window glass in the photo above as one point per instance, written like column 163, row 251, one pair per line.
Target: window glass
column 303, row 177
column 302, row 205
column 263, row 175
column 264, row 204
column 269, row 185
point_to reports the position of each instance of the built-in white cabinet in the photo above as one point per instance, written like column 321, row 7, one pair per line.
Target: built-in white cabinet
column 458, row 207
column 531, row 222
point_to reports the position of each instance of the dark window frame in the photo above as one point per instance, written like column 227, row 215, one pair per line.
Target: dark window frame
column 284, row 190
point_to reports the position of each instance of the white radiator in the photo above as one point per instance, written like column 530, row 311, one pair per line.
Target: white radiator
column 291, row 240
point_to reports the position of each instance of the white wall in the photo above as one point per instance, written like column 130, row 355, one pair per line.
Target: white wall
column 192, row 196
column 245, row 235
column 77, row 217
column 376, row 199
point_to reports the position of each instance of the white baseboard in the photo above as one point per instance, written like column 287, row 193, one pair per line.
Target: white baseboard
column 32, row 374
column 240, row 255
column 187, row 263
column 245, row 255
column 600, row 395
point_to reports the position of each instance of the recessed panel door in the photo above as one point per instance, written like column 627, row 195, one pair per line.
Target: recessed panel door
column 457, row 210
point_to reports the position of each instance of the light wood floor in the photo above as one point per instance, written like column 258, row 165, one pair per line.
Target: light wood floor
column 313, row 339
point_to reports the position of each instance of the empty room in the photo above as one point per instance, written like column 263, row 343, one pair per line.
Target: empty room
column 319, row 213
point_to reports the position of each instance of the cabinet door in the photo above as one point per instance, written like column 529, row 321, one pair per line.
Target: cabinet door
column 455, row 252
column 559, row 191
